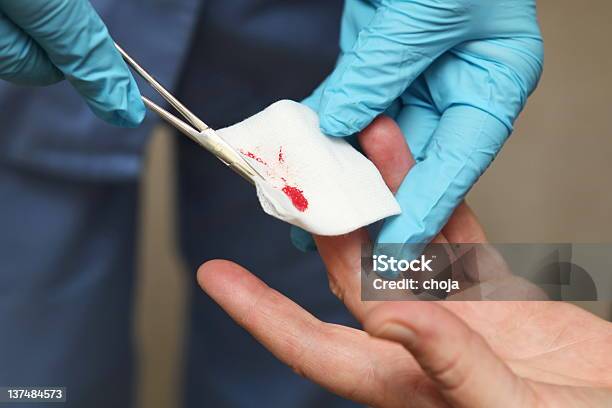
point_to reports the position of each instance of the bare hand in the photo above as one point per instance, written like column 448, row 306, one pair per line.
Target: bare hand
column 423, row 354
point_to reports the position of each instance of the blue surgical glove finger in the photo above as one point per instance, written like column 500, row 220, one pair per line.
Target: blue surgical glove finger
column 77, row 42
column 463, row 146
column 418, row 118
column 314, row 99
column 22, row 61
column 302, row 239
column 400, row 42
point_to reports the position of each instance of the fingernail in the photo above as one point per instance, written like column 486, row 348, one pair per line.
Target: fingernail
column 398, row 333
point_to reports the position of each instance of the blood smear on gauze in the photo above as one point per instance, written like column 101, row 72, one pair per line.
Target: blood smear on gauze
column 296, row 195
column 253, row 156
column 281, row 157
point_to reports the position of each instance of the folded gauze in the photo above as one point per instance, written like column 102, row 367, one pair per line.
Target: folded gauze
column 319, row 183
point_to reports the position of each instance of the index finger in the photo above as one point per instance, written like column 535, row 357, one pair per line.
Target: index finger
column 336, row 357
column 385, row 145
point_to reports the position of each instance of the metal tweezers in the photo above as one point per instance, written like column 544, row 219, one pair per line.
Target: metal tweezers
column 198, row 131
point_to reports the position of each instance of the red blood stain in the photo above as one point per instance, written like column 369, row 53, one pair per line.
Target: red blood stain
column 297, row 197
column 281, row 157
column 254, row 157
column 295, row 194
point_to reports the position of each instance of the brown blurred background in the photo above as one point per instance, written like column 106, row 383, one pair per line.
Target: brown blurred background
column 551, row 183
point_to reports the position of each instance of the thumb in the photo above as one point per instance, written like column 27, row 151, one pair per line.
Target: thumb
column 458, row 360
column 399, row 43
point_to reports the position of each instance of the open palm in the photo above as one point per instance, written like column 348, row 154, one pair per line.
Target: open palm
column 421, row 354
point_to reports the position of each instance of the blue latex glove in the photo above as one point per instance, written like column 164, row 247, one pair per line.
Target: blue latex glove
column 457, row 73
column 45, row 41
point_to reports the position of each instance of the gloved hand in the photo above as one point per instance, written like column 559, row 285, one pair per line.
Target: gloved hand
column 454, row 74
column 44, row 41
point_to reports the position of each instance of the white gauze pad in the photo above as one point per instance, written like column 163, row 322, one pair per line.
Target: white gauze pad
column 319, row 183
